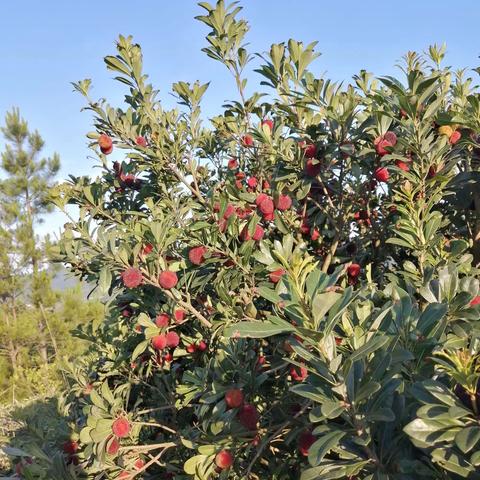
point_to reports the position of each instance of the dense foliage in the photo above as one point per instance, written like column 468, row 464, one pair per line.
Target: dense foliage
column 292, row 288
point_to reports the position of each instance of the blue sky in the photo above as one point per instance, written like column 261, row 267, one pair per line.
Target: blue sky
column 46, row 45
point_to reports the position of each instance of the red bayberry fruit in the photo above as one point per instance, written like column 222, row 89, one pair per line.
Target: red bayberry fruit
column 162, row 320
column 312, row 169
column 402, row 165
column 105, row 143
column 232, row 164
column 202, row 346
column 305, row 441
column 132, row 277
column 112, row 446
column 260, row 198
column 192, row 348
column 381, row 174
column 299, row 374
column 197, row 255
column 391, row 138
column 276, row 275
column 147, row 249
column 252, row 182
column 229, row 211
column 172, row 339
column 141, row 141
column 168, row 357
column 224, row 459
column 179, row 315
column 315, row 234
column 266, row 206
column 475, row 301
column 234, row 398
column 247, row 140
column 124, row 474
column 310, row 150
column 159, row 342
column 121, row 427
column 70, row 447
column 139, row 464
column 353, row 270
column 455, row 137
column 268, row 123
column 283, row 202
column 257, row 235
column 248, row 416
column 167, row 279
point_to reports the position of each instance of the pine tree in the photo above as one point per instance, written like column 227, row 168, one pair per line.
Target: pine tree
column 25, row 292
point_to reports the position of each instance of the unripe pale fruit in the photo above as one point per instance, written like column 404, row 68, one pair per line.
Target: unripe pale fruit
column 167, row 279
column 224, row 459
column 446, row 130
column 121, row 427
column 234, row 398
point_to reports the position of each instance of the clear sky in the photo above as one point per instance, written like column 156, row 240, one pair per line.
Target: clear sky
column 48, row 44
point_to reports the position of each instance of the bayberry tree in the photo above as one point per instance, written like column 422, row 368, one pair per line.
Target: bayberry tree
column 291, row 285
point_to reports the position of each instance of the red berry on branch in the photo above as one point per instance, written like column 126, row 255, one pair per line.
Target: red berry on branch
column 305, row 441
column 248, row 416
column 121, row 427
column 159, row 342
column 162, row 320
column 196, row 255
column 224, row 459
column 381, row 174
column 172, row 339
column 234, row 398
column 105, row 143
column 132, row 277
column 167, row 279
column 276, row 275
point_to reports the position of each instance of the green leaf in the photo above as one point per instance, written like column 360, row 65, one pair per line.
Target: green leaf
column 322, row 303
column 257, row 329
column 323, row 445
column 467, row 438
column 140, row 348
column 190, row 466
column 371, row 346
